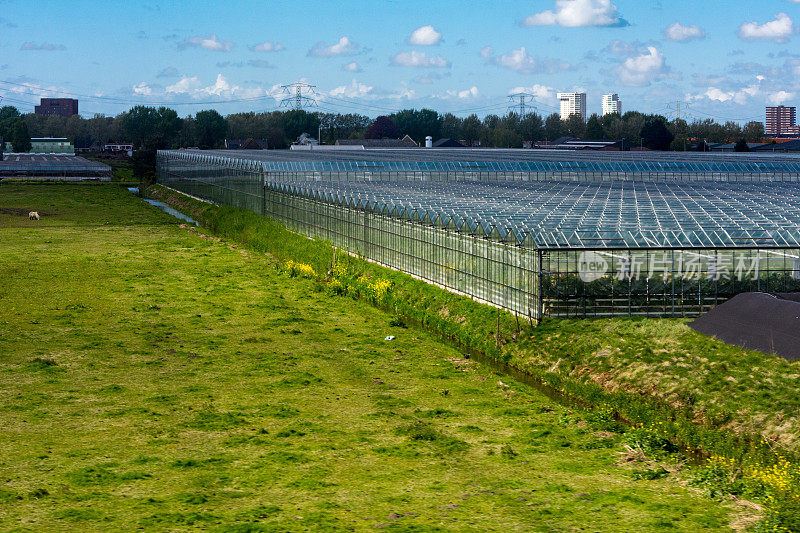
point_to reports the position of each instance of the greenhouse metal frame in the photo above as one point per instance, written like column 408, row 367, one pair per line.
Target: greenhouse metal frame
column 537, row 242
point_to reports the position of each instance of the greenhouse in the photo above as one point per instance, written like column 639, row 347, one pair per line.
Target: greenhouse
column 540, row 233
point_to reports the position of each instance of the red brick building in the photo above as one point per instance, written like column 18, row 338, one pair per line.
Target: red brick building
column 780, row 121
column 62, row 107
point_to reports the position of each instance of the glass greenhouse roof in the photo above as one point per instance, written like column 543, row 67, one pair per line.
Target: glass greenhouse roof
column 43, row 163
column 564, row 215
column 508, row 160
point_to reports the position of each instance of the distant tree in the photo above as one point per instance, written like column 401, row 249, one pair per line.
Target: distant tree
column 655, row 134
column 418, row 124
column 471, row 129
column 503, row 137
column 187, row 137
column 210, row 129
column 152, row 129
column 298, row 121
column 8, row 117
column 594, row 128
column 451, row 126
column 753, row 131
column 741, row 146
column 382, row 128
column 20, row 138
column 575, row 125
column 554, row 127
column 531, row 127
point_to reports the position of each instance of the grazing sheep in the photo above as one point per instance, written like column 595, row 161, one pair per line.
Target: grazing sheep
column 33, row 215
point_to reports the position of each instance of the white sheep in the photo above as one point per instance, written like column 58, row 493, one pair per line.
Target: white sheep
column 33, row 215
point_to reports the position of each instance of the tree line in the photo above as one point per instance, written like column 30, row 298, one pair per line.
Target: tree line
column 151, row 128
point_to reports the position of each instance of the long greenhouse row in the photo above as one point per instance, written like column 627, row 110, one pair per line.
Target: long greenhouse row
column 536, row 248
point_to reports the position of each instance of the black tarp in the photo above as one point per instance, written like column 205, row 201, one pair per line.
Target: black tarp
column 768, row 323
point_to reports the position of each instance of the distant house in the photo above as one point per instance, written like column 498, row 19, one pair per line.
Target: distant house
column 447, row 143
column 246, row 144
column 48, row 145
column 119, row 148
column 405, row 142
column 306, row 139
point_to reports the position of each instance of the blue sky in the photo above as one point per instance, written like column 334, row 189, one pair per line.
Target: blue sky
column 725, row 60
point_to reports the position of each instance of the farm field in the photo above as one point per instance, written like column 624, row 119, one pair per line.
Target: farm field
column 154, row 377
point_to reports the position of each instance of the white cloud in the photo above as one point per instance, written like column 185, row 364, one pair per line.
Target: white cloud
column 221, row 88
column 467, row 94
column 184, row 85
column 778, row 30
column 211, row 42
column 472, row 92
column 780, row 97
column 351, row 67
column 419, row 59
column 403, row 94
column 520, row 61
column 641, row 69
column 267, row 46
column 354, row 90
column 142, row 89
column 424, row 36
column 679, row 33
column 540, row 92
column 576, row 13
column 344, row 47
column 738, row 96
column 43, row 47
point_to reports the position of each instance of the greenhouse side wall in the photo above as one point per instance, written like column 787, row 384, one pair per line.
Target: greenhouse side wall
column 527, row 281
column 488, row 271
column 654, row 282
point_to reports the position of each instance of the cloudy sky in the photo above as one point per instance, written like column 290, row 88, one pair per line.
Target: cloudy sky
column 720, row 59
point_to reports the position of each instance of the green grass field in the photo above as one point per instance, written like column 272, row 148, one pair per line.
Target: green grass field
column 725, row 387
column 154, row 377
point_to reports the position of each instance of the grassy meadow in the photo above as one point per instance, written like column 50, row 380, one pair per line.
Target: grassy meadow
column 154, row 377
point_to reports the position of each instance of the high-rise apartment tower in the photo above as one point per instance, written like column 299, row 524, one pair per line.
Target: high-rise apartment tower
column 780, row 121
column 611, row 104
column 572, row 104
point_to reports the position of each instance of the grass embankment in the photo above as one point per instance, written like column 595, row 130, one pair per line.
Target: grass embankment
column 121, row 168
column 657, row 373
column 153, row 377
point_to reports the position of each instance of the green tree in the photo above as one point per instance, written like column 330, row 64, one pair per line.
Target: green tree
column 418, row 124
column 210, row 129
column 655, row 134
column 575, row 125
column 8, row 117
column 152, row 129
column 531, row 127
column 471, row 129
column 451, row 126
column 741, row 146
column 502, row 137
column 298, row 121
column 594, row 128
column 753, row 131
column 554, row 127
column 20, row 138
